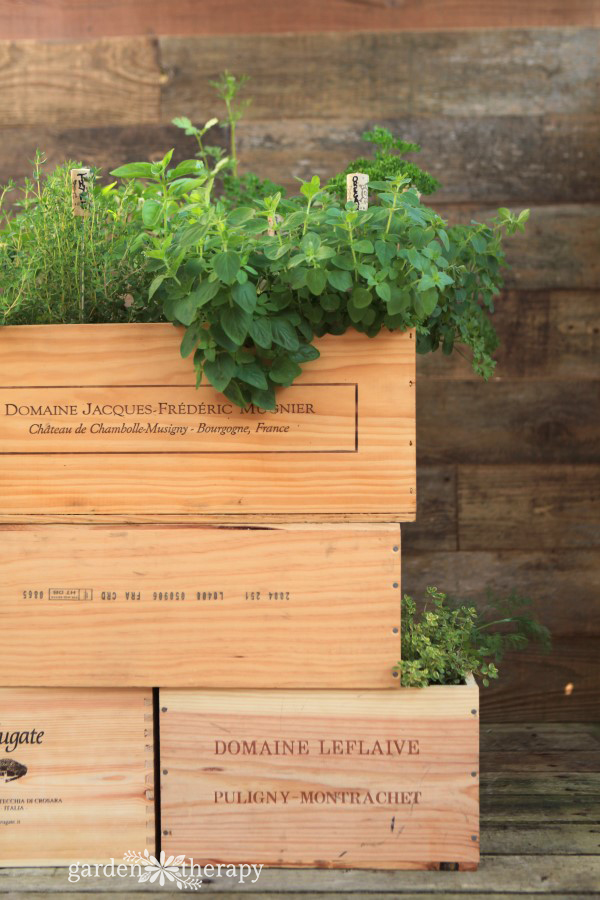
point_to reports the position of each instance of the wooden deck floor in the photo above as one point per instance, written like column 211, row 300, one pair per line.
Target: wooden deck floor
column 540, row 818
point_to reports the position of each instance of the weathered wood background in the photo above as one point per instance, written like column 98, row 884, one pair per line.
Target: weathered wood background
column 504, row 99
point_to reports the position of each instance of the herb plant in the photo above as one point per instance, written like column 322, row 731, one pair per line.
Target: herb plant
column 254, row 285
column 443, row 642
column 55, row 267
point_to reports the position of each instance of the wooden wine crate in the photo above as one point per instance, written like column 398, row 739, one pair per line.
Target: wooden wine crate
column 335, row 779
column 106, row 419
column 76, row 775
column 199, row 605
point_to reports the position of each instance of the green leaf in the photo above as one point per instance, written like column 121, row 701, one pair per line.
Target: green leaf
column 187, row 167
column 343, row 261
column 310, row 243
column 156, row 283
column 297, row 277
column 383, row 290
column 361, row 298
column 400, row 301
column 260, row 331
column 240, row 215
column 221, row 371
column 264, row 399
column 133, row 170
column 284, row 370
column 425, row 283
column 151, row 212
column 340, row 280
column 227, row 264
column 284, row 334
column 245, row 296
column 189, row 340
column 205, row 292
column 316, row 279
column 478, row 243
column 330, row 302
column 385, row 252
column 185, row 309
column 254, row 375
column 363, row 247
column 428, row 301
column 305, row 353
column 235, row 323
column 234, row 392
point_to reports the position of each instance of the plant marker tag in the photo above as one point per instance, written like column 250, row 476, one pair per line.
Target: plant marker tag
column 79, row 191
column 357, row 189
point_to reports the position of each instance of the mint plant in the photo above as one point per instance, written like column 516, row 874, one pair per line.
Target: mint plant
column 253, row 302
column 444, row 641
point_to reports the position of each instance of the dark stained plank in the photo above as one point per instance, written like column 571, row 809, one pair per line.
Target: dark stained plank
column 543, row 334
column 541, row 736
column 480, row 159
column 508, row 420
column 527, row 507
column 561, row 687
column 546, row 762
column 564, row 586
column 436, row 523
column 540, row 838
column 564, row 784
column 374, row 75
column 110, row 80
column 80, row 19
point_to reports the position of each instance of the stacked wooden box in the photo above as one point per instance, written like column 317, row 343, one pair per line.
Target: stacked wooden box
column 247, row 564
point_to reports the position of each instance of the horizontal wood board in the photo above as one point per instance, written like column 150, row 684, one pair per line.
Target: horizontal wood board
column 144, row 440
column 79, row 19
column 79, row 785
column 318, row 800
column 313, row 606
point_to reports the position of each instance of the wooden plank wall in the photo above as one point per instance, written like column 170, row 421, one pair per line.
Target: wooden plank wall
column 504, row 99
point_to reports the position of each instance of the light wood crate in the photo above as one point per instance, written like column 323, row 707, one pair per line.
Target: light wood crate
column 106, row 420
column 200, row 606
column 79, row 785
column 232, row 789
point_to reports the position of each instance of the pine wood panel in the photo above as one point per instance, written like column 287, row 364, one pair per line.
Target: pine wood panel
column 456, row 149
column 200, row 607
column 114, row 80
column 351, row 454
column 514, row 507
column 87, row 790
column 80, row 19
column 205, row 779
column 371, row 76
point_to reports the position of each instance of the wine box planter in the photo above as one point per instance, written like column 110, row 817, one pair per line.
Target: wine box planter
column 106, row 420
column 199, row 605
column 334, row 779
column 76, row 775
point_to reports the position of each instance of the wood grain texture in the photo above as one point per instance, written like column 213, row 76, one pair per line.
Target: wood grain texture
column 57, row 19
column 513, row 507
column 88, row 789
column 526, row 421
column 203, row 816
column 179, row 606
column 564, row 586
column 467, row 73
column 560, row 687
column 110, row 80
column 483, row 159
column 352, row 454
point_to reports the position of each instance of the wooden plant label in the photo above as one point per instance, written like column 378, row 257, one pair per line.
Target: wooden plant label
column 377, row 779
column 76, row 775
column 357, row 190
column 106, row 419
column 79, row 191
column 201, row 606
